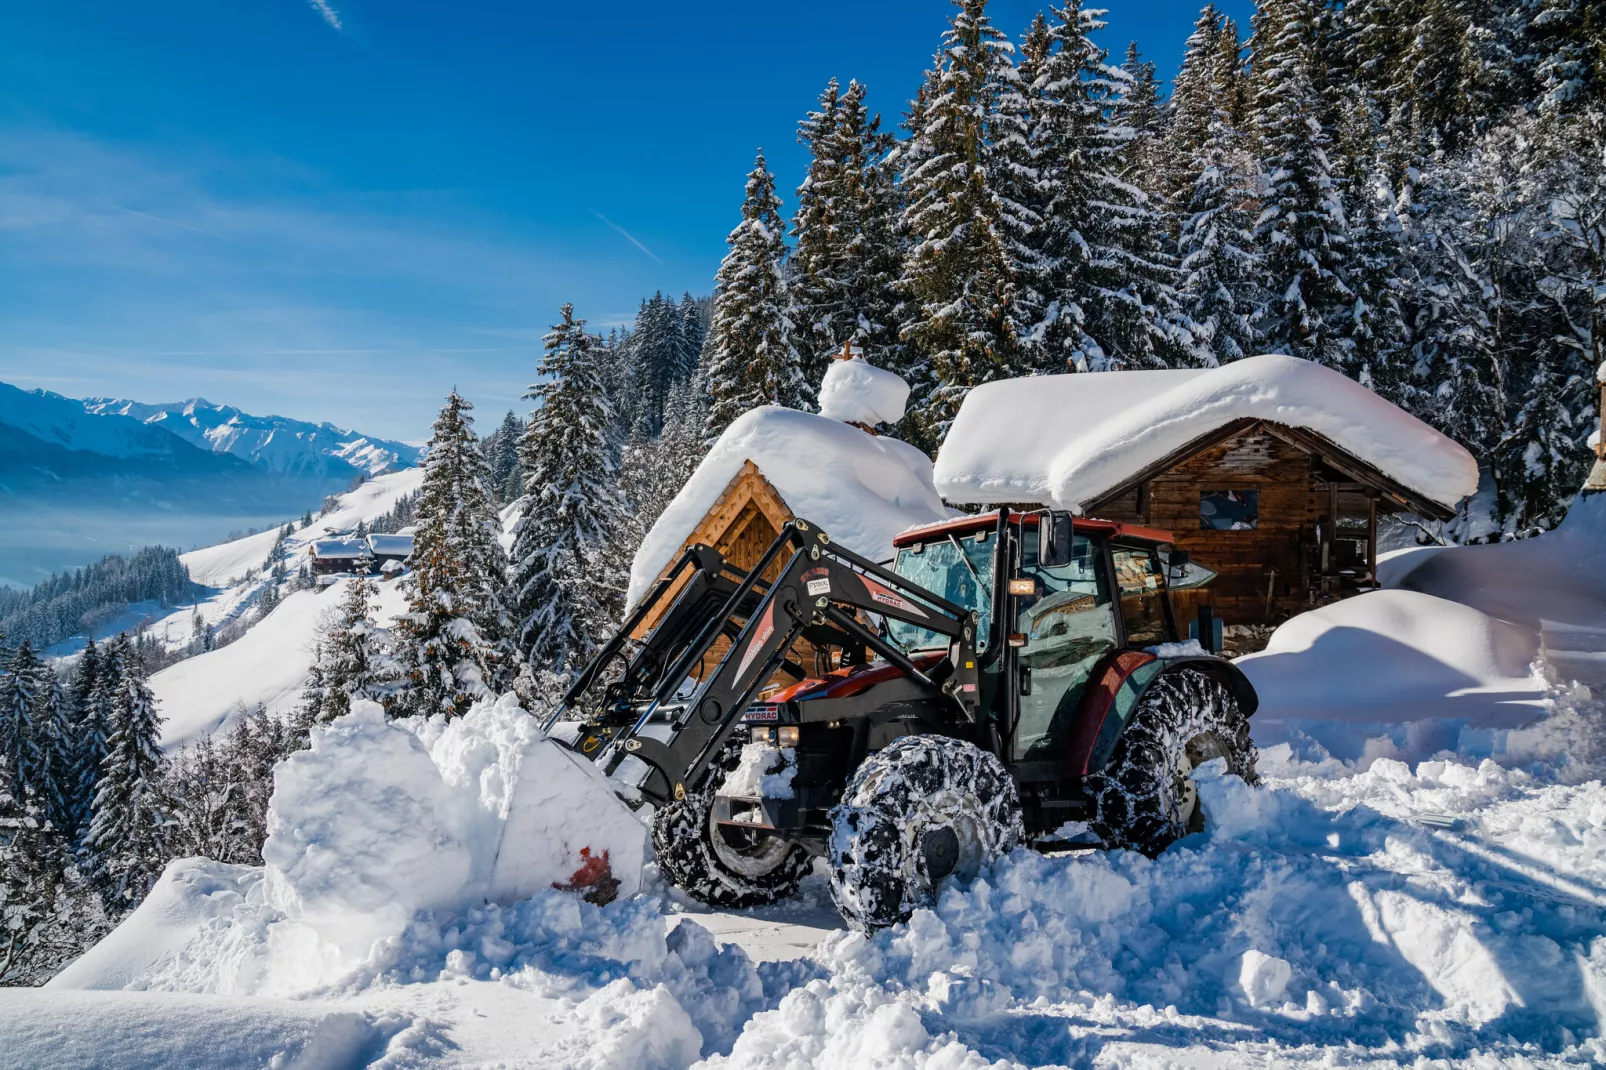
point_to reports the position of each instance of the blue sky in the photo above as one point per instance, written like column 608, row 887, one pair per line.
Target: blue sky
column 338, row 209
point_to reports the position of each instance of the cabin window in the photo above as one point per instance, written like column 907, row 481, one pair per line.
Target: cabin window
column 1229, row 510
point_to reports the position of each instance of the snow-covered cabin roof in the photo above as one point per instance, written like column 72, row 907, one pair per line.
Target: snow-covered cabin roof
column 1069, row 440
column 860, row 489
column 390, row 545
column 331, row 549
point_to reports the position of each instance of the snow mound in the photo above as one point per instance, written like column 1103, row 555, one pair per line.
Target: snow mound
column 1068, row 440
column 1338, row 673
column 376, row 825
column 856, row 391
column 861, row 489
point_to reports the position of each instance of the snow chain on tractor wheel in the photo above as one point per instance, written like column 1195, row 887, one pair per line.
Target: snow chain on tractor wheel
column 1143, row 799
column 709, row 862
column 922, row 811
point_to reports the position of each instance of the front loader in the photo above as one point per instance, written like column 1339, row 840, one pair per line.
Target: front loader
column 1013, row 678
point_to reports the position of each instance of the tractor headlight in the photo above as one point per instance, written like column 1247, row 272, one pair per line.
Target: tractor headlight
column 759, row 733
column 786, row 735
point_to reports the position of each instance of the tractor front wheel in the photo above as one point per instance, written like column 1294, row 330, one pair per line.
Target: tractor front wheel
column 718, row 864
column 1143, row 799
column 926, row 810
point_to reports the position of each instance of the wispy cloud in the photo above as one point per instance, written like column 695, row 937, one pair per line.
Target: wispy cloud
column 629, row 237
column 327, row 10
column 169, row 222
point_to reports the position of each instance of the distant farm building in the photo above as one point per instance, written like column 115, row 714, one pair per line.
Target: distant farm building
column 1272, row 471
column 347, row 555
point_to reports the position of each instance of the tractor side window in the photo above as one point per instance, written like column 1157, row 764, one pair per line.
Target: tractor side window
column 1142, row 584
column 1069, row 624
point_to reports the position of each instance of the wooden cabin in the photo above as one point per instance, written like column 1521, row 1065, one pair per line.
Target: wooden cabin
column 773, row 465
column 1287, row 518
column 336, row 557
column 1271, row 471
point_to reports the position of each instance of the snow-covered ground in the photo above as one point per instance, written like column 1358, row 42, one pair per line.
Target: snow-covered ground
column 269, row 663
column 1419, row 879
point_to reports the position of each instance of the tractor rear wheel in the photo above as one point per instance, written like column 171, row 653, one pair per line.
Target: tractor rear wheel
column 1143, row 799
column 926, row 810
column 717, row 864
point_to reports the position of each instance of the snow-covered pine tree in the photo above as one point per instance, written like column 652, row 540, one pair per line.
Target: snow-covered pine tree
column 502, row 455
column 656, row 354
column 1221, row 271
column 822, row 224
column 1112, row 297
column 567, row 592
column 1377, row 335
column 53, row 734
column 1191, row 109
column 40, row 926
column 753, row 360
column 354, row 655
column 848, row 257
column 968, row 317
column 1301, row 231
column 90, row 698
column 20, row 687
column 125, row 845
column 453, row 640
column 1138, row 109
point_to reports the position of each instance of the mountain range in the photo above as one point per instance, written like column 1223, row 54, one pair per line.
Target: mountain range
column 83, row 478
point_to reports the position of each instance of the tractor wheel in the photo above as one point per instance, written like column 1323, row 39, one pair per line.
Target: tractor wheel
column 1143, row 799
column 925, row 810
column 717, row 864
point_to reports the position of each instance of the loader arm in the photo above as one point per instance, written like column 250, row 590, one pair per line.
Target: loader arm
column 821, row 587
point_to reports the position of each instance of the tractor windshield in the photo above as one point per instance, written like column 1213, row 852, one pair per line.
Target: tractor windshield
column 960, row 569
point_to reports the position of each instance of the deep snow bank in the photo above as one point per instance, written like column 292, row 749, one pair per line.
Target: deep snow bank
column 375, row 825
column 1401, row 665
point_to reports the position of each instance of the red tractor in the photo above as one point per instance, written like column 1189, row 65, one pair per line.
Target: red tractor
column 1012, row 675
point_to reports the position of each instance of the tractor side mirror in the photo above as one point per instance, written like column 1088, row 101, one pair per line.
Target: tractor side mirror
column 1054, row 539
column 1177, row 564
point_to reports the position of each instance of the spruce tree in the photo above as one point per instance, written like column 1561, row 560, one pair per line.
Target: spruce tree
column 90, row 698
column 20, row 689
column 1301, row 231
column 41, row 926
column 453, row 639
column 970, row 317
column 354, row 659
column 567, row 594
column 125, row 845
column 1220, row 266
column 53, row 728
column 753, row 360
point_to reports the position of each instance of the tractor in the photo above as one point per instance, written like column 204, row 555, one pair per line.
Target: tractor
column 1014, row 678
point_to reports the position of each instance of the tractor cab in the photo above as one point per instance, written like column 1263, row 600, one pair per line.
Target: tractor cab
column 1070, row 593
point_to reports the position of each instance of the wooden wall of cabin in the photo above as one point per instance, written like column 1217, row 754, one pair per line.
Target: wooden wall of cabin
column 1284, row 538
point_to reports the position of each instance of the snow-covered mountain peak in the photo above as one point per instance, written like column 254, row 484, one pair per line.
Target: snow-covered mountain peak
column 279, row 444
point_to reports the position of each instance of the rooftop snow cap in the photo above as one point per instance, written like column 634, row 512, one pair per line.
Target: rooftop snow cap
column 862, row 490
column 1068, row 440
column 857, row 392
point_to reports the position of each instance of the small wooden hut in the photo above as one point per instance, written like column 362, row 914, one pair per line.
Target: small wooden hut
column 773, row 465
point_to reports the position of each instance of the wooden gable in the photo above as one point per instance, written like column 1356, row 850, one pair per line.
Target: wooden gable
column 744, row 520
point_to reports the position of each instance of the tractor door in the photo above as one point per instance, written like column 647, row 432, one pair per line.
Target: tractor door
column 1068, row 624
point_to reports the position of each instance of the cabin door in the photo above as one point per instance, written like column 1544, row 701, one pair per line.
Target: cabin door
column 1344, row 557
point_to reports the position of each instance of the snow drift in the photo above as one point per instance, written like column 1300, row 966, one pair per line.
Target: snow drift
column 375, row 825
column 1069, row 439
column 860, row 489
